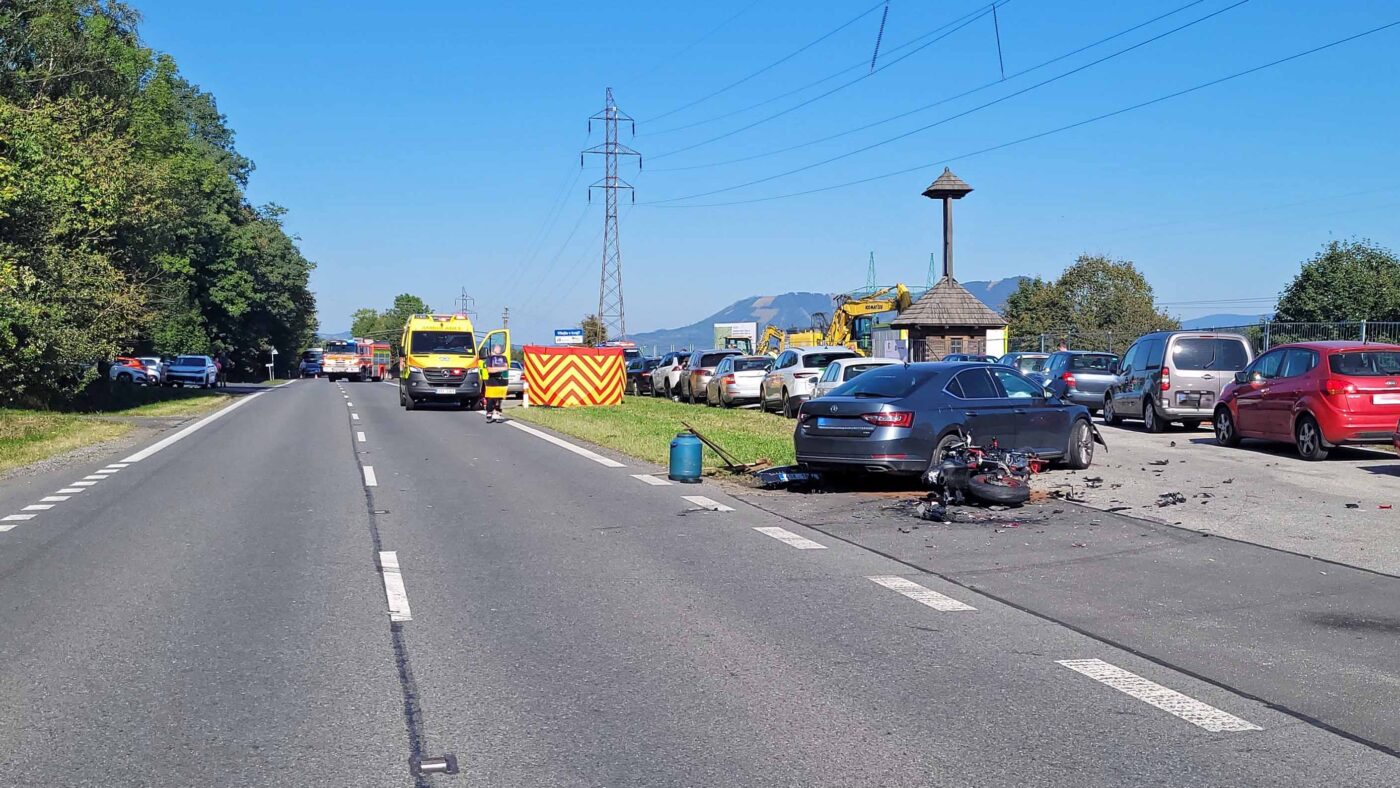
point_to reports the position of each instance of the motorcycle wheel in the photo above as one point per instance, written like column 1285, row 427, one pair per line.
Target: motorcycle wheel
column 1004, row 490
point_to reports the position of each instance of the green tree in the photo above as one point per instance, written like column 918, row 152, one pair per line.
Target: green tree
column 594, row 332
column 1096, row 300
column 1347, row 280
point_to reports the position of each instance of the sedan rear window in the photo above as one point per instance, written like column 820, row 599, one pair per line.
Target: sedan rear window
column 890, row 380
column 1200, row 353
column 1094, row 363
column 751, row 364
column 820, row 360
column 1031, row 363
column 711, row 359
column 1366, row 363
column 855, row 370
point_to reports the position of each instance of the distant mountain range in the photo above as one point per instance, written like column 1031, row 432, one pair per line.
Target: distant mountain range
column 788, row 310
column 1222, row 320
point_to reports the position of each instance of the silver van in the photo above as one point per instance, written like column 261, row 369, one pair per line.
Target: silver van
column 1174, row 376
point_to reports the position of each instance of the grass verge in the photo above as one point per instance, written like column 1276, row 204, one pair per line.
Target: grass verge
column 30, row 436
column 644, row 426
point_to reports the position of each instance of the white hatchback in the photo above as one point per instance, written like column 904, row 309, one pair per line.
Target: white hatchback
column 842, row 370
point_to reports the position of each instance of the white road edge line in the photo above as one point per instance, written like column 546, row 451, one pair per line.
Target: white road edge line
column 788, row 537
column 193, row 428
column 579, row 450
column 916, row 592
column 394, row 592
column 705, row 503
column 370, row 479
column 654, row 481
column 360, row 437
column 1169, row 700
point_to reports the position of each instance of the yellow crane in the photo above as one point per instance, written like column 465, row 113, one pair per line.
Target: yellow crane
column 842, row 328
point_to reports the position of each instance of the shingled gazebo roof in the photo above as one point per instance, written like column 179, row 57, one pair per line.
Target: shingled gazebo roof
column 949, row 304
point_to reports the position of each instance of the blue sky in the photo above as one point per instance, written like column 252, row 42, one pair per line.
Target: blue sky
column 430, row 146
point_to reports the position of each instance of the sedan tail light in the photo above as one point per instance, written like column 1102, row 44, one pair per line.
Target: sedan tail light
column 1334, row 387
column 804, row 374
column 896, row 418
column 1068, row 378
column 727, row 380
column 1166, row 379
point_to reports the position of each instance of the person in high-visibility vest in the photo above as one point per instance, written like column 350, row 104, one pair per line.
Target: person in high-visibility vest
column 497, row 379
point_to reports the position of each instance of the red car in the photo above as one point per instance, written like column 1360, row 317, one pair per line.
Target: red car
column 1315, row 395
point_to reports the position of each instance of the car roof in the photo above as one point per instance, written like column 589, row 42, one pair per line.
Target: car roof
column 846, row 362
column 1340, row 345
column 822, row 349
column 1085, row 353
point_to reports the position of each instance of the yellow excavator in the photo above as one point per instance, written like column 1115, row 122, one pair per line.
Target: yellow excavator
column 843, row 327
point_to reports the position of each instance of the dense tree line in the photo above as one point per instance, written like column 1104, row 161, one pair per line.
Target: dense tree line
column 388, row 324
column 1095, row 302
column 123, row 221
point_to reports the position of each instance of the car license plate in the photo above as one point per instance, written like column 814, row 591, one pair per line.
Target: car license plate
column 1386, row 399
column 447, row 391
column 1189, row 398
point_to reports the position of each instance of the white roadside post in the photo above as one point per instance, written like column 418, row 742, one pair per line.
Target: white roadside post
column 273, row 353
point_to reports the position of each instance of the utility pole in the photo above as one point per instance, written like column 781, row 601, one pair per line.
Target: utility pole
column 505, row 318
column 611, row 314
column 466, row 304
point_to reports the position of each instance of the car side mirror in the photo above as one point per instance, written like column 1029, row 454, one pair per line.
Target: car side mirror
column 1240, row 377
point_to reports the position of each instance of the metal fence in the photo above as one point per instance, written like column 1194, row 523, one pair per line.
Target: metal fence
column 1261, row 335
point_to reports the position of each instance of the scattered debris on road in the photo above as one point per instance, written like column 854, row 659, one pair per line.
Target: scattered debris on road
column 787, row 477
column 1170, row 499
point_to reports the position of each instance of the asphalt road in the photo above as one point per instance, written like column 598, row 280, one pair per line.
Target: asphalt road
column 270, row 600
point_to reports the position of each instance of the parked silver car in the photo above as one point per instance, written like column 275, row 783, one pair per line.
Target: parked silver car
column 1174, row 376
column 192, row 371
column 844, row 369
column 1026, row 362
column 699, row 371
column 737, row 379
column 155, row 368
column 1087, row 375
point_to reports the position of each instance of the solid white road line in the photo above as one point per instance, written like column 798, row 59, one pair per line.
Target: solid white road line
column 918, row 593
column 37, row 507
column 193, row 428
column 83, row 484
column 394, row 592
column 71, row 490
column 705, row 503
column 360, row 437
column 50, row 498
column 1152, row 693
column 788, row 537
column 563, row 444
column 370, row 480
column 652, row 480
column 355, row 416
column 14, row 518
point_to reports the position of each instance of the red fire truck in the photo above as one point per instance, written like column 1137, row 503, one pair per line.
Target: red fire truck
column 381, row 358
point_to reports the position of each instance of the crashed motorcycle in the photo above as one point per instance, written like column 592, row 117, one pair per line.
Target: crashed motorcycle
column 988, row 474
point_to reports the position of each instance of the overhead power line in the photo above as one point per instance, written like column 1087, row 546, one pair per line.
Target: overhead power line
column 969, row 20
column 937, row 103
column 703, row 37
column 772, row 65
column 1057, row 130
column 962, row 114
column 848, row 69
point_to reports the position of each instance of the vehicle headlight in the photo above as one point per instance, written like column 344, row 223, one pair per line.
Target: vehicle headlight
column 412, row 369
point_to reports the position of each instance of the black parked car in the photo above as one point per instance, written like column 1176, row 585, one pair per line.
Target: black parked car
column 639, row 375
column 897, row 418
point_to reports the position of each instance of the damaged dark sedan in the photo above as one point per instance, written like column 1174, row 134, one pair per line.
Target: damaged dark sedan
column 896, row 419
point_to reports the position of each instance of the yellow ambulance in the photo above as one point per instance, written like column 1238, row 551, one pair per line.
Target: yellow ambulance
column 440, row 360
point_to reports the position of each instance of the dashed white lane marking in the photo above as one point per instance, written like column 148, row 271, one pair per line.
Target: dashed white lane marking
column 360, row 437
column 71, row 490
column 924, row 596
column 1154, row 694
column 563, row 444
column 37, row 507
column 790, row 538
column 370, row 480
column 705, row 503
column 652, row 480
column 15, row 518
column 105, row 472
column 349, row 404
column 54, row 498
column 193, row 428
column 355, row 416
column 83, row 484
column 93, row 477
column 394, row 592
column 117, row 464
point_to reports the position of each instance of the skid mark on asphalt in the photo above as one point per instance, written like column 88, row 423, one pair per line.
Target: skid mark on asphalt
column 789, row 538
column 1187, row 708
column 924, row 596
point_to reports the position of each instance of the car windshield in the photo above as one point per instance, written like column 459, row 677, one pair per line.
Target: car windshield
column 340, row 347
column 1031, row 363
column 820, row 360
column 1097, row 362
column 752, row 364
column 1209, row 353
column 1366, row 363
column 711, row 359
column 458, row 343
column 311, row 356
column 891, row 380
column 190, row 361
column 856, row 369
